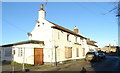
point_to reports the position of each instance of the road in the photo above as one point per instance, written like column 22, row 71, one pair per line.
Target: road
column 111, row 64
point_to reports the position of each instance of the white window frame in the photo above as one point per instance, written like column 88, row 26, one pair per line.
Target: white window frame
column 20, row 52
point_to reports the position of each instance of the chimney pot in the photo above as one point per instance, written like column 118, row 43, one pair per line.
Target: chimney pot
column 41, row 6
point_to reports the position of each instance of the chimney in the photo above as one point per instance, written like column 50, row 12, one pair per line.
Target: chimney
column 41, row 7
column 42, row 12
column 76, row 29
column 88, row 39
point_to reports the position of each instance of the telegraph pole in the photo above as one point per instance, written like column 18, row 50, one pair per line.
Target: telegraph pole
column 118, row 15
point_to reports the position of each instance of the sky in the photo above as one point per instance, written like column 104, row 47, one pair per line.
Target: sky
column 92, row 18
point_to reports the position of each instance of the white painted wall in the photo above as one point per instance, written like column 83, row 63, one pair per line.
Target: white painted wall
column 62, row 42
column 44, row 32
column 85, row 45
column 92, row 47
column 41, row 14
column 28, row 53
column 53, row 37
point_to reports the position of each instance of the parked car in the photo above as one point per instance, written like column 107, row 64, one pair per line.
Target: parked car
column 101, row 55
column 92, row 56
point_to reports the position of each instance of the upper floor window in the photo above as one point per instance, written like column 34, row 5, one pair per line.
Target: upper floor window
column 67, row 37
column 80, row 41
column 58, row 35
column 75, row 39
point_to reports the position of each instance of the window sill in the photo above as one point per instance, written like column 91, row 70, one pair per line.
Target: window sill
column 77, row 43
column 69, row 41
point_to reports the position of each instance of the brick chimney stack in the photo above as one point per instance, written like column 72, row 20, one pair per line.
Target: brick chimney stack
column 76, row 29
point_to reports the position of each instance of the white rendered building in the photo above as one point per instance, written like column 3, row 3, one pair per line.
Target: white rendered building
column 49, row 44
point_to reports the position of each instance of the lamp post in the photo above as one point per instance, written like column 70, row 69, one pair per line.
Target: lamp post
column 56, row 55
column 116, row 42
column 23, row 68
column 13, row 53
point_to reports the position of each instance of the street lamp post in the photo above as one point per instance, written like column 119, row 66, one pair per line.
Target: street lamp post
column 56, row 55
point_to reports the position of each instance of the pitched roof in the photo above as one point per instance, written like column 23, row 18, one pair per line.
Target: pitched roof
column 66, row 30
column 24, row 42
column 91, row 42
column 112, row 46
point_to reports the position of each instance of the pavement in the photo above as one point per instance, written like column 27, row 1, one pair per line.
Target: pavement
column 110, row 63
column 10, row 67
column 58, row 67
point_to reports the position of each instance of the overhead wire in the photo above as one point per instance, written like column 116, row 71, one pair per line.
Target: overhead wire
column 15, row 26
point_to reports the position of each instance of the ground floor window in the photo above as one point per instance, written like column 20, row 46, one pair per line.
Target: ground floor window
column 77, row 52
column 68, row 52
column 13, row 52
column 20, row 52
column 83, row 51
column 8, row 52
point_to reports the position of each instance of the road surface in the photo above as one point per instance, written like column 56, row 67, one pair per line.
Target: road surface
column 111, row 64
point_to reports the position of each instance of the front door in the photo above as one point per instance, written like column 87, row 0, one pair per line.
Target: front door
column 38, row 55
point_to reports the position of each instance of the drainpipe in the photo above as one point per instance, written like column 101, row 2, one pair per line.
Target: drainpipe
column 55, row 57
column 23, row 68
